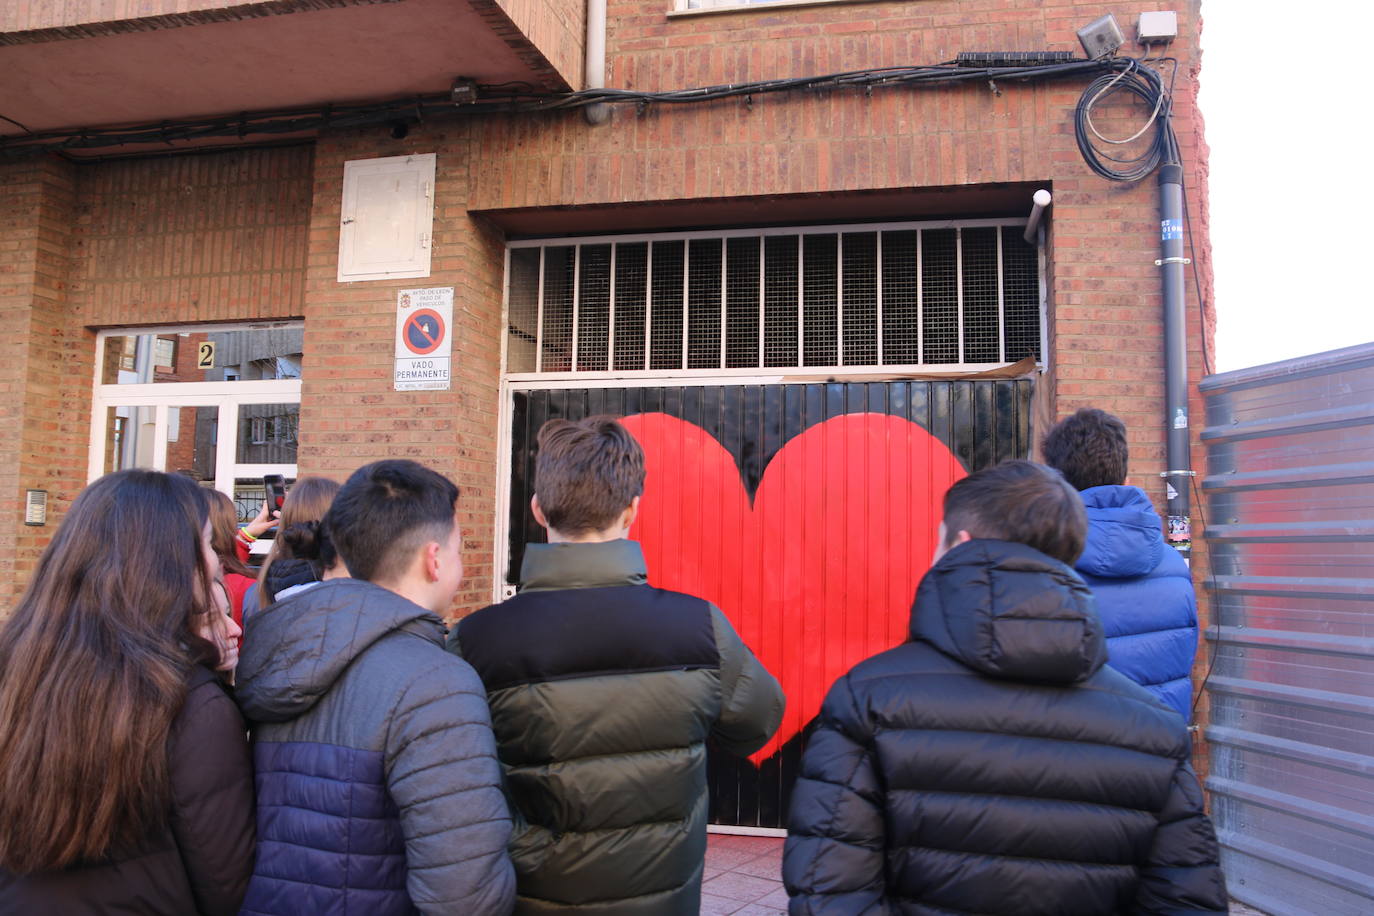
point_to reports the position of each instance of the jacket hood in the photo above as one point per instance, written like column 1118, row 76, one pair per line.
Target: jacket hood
column 294, row 650
column 1125, row 538
column 1009, row 611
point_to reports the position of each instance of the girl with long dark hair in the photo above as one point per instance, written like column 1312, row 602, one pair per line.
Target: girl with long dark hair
column 125, row 778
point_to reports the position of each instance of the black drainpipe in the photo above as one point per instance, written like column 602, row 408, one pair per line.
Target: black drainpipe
column 1178, row 462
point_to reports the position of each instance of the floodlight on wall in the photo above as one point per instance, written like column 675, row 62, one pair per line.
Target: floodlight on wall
column 1101, row 37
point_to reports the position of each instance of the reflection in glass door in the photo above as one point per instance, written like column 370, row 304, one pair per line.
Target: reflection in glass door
column 220, row 405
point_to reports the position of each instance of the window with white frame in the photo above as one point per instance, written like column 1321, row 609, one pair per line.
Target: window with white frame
column 899, row 295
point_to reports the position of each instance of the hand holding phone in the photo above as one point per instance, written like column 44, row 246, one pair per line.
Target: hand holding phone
column 274, row 488
column 274, row 497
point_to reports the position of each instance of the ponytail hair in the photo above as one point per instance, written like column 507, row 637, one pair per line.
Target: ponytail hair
column 299, row 536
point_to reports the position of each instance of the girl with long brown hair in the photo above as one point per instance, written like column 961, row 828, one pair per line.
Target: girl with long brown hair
column 125, row 779
column 293, row 559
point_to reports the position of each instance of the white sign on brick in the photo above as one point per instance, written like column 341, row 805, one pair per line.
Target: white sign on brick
column 424, row 339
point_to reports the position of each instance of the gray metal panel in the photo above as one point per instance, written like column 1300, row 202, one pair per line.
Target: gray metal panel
column 1290, row 512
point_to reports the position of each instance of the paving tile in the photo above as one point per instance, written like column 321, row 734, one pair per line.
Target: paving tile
column 759, row 909
column 744, row 888
column 777, row 898
column 767, row 865
column 712, row 904
column 726, row 857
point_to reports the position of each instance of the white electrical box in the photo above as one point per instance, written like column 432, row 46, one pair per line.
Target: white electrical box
column 387, row 218
column 1157, row 28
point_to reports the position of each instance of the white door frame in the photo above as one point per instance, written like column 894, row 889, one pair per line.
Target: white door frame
column 162, row 396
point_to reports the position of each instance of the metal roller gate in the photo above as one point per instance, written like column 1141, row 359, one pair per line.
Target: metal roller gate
column 1290, row 528
column 807, row 512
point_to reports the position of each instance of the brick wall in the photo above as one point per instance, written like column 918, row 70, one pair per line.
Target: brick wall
column 350, row 415
column 40, row 355
column 185, row 239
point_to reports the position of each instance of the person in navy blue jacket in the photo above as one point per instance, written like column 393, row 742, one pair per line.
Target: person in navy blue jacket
column 378, row 786
column 1143, row 587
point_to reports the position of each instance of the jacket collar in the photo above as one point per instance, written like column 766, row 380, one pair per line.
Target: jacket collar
column 294, row 650
column 1009, row 611
column 589, row 565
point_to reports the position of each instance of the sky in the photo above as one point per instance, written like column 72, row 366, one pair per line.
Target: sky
column 1287, row 115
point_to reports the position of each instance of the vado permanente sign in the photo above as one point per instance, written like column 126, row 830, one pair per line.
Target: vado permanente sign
column 424, row 339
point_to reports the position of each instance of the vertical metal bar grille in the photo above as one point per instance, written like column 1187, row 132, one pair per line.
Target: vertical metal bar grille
column 857, row 297
column 978, row 283
column 522, row 312
column 939, row 296
column 859, row 305
column 631, row 294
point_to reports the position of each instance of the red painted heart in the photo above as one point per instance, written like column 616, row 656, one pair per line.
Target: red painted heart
column 819, row 573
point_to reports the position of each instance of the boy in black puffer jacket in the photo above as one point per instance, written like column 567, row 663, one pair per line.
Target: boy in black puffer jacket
column 993, row 764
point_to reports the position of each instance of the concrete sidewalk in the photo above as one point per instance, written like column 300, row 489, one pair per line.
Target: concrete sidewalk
column 743, row 876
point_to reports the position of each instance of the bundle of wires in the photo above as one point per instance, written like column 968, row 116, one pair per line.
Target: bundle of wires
column 1146, row 84
column 517, row 97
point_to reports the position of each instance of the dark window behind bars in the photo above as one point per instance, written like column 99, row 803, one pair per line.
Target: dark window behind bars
column 899, row 296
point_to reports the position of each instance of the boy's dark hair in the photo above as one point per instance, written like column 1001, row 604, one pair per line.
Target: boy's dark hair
column 586, row 473
column 1088, row 448
column 1023, row 502
column 385, row 512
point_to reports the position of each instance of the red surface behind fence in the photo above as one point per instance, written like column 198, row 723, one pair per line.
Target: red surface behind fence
column 819, row 572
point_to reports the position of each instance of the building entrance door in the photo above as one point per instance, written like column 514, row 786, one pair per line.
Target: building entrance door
column 806, row 511
column 221, row 405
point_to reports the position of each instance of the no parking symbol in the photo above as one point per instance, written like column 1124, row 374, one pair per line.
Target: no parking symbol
column 424, row 344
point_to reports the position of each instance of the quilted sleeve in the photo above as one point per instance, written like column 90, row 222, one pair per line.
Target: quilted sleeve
column 833, row 857
column 443, row 775
column 213, row 816
column 1183, row 872
column 752, row 701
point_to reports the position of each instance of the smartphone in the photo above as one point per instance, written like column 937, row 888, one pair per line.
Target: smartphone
column 274, row 492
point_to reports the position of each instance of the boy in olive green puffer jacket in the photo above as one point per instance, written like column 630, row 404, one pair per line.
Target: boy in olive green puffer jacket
column 603, row 692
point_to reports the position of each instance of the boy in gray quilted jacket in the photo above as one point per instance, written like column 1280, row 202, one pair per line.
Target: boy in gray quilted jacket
column 378, row 789
column 604, row 691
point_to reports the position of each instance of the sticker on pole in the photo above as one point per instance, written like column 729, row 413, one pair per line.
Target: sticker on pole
column 424, row 342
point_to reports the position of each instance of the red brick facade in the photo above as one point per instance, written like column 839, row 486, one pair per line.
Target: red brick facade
column 253, row 234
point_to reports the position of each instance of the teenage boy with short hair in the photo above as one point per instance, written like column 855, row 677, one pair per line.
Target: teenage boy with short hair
column 992, row 764
column 604, row 691
column 377, row 780
column 1143, row 587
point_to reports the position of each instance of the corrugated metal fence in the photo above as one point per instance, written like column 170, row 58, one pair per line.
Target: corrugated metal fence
column 1290, row 527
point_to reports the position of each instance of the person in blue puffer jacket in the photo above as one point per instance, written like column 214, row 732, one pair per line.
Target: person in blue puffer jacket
column 1143, row 587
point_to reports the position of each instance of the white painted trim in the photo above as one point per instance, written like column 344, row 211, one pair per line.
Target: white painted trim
column 818, row 229
column 732, row 830
column 704, row 377
column 288, row 471
column 227, row 414
column 160, row 437
column 200, row 394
